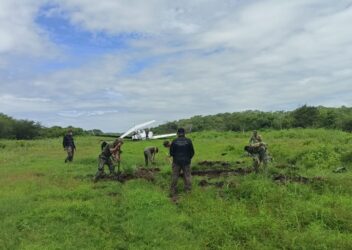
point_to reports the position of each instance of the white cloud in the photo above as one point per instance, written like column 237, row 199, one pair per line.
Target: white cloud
column 12, row 103
column 76, row 114
column 208, row 57
column 18, row 31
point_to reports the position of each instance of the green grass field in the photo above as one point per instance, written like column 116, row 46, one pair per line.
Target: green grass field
column 46, row 204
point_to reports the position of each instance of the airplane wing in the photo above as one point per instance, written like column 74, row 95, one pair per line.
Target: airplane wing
column 163, row 136
column 139, row 126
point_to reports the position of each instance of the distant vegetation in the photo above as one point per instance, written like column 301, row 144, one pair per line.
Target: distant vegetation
column 24, row 129
column 303, row 117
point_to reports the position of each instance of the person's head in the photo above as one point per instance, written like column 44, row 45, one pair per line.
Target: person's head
column 255, row 132
column 118, row 141
column 166, row 144
column 115, row 142
column 69, row 132
column 181, row 132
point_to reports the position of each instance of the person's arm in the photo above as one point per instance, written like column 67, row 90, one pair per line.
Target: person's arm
column 153, row 154
column 115, row 149
column 64, row 142
column 116, row 152
column 191, row 149
column 116, row 156
column 172, row 149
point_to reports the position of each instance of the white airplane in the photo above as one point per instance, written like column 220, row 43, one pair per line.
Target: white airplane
column 140, row 132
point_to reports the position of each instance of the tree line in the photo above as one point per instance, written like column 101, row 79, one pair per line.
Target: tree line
column 11, row 128
column 303, row 117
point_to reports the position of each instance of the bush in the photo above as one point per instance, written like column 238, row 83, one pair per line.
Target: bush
column 346, row 157
column 322, row 157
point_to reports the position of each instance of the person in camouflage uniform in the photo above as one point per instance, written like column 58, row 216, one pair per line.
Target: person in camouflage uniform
column 255, row 138
column 149, row 155
column 69, row 145
column 258, row 151
column 105, row 158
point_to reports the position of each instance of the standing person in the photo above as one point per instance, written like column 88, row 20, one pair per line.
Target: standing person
column 109, row 151
column 69, row 145
column 182, row 152
column 255, row 138
column 149, row 155
column 146, row 133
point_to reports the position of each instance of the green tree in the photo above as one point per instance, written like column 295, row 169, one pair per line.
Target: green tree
column 24, row 129
column 6, row 126
column 347, row 125
column 305, row 116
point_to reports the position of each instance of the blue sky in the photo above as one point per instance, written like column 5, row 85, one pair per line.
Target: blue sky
column 112, row 64
column 77, row 44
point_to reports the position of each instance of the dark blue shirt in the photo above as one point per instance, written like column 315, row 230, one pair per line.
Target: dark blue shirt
column 68, row 141
column 182, row 151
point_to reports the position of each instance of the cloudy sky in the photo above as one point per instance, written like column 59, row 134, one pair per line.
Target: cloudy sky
column 111, row 64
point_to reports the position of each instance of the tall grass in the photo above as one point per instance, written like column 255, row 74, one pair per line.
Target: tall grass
column 46, row 204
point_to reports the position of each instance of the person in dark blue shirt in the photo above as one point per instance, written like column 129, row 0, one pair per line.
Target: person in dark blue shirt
column 69, row 145
column 182, row 152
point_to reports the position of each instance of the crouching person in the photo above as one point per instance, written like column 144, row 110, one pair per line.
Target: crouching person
column 149, row 155
column 258, row 151
column 108, row 151
column 182, row 152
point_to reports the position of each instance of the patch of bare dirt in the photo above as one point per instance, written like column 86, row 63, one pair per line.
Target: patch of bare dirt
column 214, row 163
column 205, row 183
column 140, row 173
column 281, row 178
column 218, row 184
column 219, row 172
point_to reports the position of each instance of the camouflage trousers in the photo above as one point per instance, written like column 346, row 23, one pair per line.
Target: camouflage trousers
column 148, row 157
column 70, row 152
column 259, row 158
column 176, row 170
column 102, row 162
